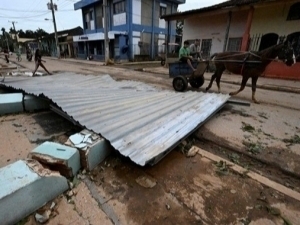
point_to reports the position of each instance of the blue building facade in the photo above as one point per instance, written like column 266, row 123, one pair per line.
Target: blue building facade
column 135, row 28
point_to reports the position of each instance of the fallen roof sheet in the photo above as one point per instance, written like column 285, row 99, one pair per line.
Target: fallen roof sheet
column 140, row 121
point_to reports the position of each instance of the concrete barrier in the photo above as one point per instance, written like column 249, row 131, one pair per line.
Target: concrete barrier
column 25, row 186
column 92, row 147
column 58, row 157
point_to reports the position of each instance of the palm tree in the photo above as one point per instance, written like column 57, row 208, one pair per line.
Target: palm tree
column 4, row 37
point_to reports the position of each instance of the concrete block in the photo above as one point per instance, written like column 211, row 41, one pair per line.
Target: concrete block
column 92, row 147
column 11, row 103
column 32, row 103
column 58, row 157
column 25, row 186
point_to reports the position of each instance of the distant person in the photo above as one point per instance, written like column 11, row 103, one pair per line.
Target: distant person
column 195, row 49
column 184, row 55
column 6, row 55
column 38, row 62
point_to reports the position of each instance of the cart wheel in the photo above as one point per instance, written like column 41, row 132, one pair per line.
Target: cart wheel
column 180, row 83
column 196, row 82
column 162, row 62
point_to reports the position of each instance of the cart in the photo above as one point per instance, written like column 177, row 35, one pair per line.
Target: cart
column 182, row 74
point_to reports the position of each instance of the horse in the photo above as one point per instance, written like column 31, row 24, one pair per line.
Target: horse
column 250, row 64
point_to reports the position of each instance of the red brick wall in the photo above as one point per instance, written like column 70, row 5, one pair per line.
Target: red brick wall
column 280, row 70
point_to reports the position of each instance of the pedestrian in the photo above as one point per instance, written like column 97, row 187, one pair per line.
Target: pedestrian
column 6, row 55
column 38, row 62
column 195, row 49
column 184, row 55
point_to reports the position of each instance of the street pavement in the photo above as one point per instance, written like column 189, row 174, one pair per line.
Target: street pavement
column 292, row 86
column 264, row 82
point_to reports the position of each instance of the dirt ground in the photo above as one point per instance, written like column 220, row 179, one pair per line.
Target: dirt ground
column 182, row 190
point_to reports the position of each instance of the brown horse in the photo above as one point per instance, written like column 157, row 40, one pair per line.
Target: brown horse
column 250, row 64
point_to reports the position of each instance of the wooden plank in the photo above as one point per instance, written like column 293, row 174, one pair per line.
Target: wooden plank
column 261, row 179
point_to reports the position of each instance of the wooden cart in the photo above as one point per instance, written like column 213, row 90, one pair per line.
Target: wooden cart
column 182, row 74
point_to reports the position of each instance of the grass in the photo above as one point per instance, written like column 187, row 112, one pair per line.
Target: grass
column 293, row 140
column 254, row 148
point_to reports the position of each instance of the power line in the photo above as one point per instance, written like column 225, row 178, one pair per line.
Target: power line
column 18, row 10
column 18, row 17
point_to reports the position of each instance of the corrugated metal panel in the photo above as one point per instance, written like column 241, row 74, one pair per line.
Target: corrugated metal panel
column 140, row 122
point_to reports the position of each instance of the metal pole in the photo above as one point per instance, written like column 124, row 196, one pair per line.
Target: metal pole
column 13, row 23
column 105, row 32
column 55, row 30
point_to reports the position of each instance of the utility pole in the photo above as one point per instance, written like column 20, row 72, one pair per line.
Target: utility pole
column 106, row 40
column 13, row 23
column 53, row 7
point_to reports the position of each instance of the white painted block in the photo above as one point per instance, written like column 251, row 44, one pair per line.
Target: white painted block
column 92, row 147
column 25, row 186
column 11, row 103
column 58, row 157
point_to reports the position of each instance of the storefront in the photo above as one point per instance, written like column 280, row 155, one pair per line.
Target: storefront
column 93, row 45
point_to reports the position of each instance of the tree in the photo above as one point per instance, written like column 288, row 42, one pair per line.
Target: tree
column 21, row 33
column 40, row 33
column 6, row 40
column 179, row 27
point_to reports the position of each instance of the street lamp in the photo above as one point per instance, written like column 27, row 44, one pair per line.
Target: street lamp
column 53, row 7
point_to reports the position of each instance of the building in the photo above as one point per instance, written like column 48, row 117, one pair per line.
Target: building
column 243, row 25
column 135, row 29
column 65, row 42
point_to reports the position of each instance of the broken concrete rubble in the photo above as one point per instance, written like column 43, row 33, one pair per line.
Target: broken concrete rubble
column 27, row 183
column 58, row 157
column 92, row 147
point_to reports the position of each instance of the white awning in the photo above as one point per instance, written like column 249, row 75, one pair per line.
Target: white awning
column 96, row 36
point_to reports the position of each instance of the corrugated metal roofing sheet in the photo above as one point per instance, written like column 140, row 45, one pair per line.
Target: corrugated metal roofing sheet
column 139, row 121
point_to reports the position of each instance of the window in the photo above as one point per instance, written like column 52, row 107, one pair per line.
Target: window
column 87, row 21
column 268, row 40
column 294, row 38
column 205, row 48
column 163, row 10
column 234, row 44
column 99, row 16
column 119, row 7
column 91, row 15
column 294, row 13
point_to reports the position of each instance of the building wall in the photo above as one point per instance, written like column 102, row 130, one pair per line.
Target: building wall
column 214, row 27
column 273, row 19
column 146, row 15
column 143, row 26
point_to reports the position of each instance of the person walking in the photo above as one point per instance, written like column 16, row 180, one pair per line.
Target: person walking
column 38, row 62
column 6, row 55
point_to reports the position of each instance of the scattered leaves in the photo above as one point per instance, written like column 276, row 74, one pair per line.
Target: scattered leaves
column 293, row 140
column 247, row 127
column 234, row 157
column 254, row 148
column 263, row 115
column 245, row 221
column 222, row 168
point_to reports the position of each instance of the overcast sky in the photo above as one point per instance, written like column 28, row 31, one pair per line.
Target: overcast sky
column 31, row 14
